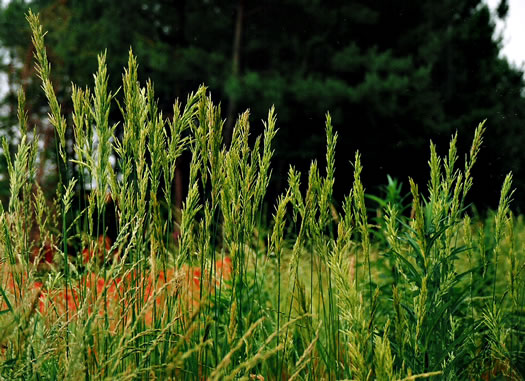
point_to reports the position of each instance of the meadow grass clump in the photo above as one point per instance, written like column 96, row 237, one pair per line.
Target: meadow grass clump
column 421, row 289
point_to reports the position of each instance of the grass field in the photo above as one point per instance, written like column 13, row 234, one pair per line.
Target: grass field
column 384, row 287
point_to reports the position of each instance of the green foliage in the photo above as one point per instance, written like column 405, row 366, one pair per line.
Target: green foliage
column 321, row 293
column 393, row 74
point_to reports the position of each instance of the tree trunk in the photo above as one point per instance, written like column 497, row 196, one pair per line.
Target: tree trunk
column 236, row 58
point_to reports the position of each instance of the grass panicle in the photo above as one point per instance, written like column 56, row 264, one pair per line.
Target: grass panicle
column 112, row 276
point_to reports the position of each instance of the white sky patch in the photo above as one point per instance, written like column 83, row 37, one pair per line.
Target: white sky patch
column 512, row 29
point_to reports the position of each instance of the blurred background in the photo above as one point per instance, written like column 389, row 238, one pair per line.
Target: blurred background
column 393, row 75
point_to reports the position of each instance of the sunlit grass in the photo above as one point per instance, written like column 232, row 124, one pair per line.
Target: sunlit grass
column 419, row 288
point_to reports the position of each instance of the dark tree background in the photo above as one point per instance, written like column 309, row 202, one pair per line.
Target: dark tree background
column 393, row 74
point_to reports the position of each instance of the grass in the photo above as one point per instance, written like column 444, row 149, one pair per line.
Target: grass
column 425, row 289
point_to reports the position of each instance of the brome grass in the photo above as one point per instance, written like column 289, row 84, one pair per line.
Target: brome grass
column 425, row 289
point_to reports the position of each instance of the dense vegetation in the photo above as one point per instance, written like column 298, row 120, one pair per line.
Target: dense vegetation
column 424, row 290
column 393, row 74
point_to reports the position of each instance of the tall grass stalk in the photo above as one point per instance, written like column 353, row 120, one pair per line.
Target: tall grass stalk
column 421, row 288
